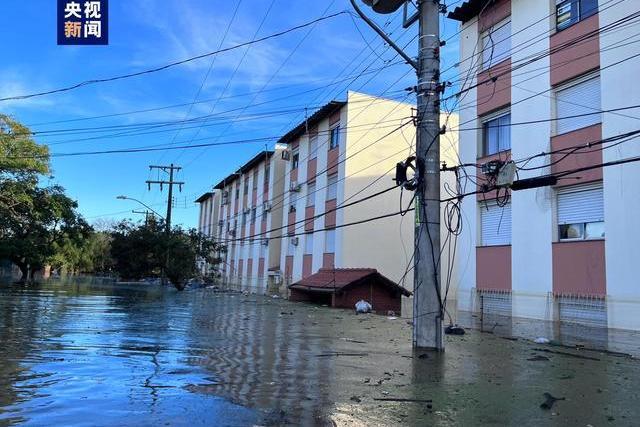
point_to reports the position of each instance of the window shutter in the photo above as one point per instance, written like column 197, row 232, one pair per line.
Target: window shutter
column 578, row 204
column 582, row 98
column 496, row 224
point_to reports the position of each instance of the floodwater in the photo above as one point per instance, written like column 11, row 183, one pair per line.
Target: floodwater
column 88, row 353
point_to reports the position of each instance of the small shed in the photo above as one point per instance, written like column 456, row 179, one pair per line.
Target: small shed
column 343, row 287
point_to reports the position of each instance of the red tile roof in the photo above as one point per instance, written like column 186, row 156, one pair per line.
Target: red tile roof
column 331, row 280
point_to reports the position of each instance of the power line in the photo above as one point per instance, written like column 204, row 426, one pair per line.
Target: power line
column 172, row 64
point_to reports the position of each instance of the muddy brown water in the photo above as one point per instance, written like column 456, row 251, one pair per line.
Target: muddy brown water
column 97, row 353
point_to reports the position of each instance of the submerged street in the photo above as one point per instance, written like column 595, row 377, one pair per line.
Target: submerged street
column 90, row 353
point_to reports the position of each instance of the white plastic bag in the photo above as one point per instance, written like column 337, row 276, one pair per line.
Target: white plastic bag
column 363, row 307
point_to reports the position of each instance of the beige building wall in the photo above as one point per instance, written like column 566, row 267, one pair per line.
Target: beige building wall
column 386, row 244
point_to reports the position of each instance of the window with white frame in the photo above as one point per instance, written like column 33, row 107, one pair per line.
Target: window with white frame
column 495, row 223
column 308, row 244
column 334, row 142
column 332, row 187
column 580, row 210
column 311, row 194
column 568, row 12
column 496, row 133
column 295, row 158
column 496, row 44
column 264, row 244
column 578, row 105
column 313, row 144
column 330, row 241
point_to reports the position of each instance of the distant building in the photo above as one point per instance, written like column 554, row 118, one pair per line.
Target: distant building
column 544, row 77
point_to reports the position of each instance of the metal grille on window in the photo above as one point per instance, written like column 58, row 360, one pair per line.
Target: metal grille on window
column 495, row 223
column 495, row 302
column 591, row 311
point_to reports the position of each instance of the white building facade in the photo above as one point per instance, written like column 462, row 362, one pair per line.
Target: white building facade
column 544, row 77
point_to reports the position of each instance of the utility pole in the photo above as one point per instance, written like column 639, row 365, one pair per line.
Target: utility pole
column 170, row 183
column 146, row 214
column 428, row 310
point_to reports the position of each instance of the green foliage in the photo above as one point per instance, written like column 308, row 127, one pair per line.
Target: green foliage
column 19, row 153
column 144, row 250
column 41, row 222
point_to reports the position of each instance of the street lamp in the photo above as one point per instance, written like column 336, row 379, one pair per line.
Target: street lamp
column 142, row 203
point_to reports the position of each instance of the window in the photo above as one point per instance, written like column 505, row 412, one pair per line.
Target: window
column 581, row 212
column 255, row 180
column 267, row 172
column 264, row 244
column 308, row 244
column 496, row 44
column 237, row 192
column 253, row 215
column 332, row 187
column 244, row 218
column 291, row 247
column 495, row 224
column 568, row 12
column 329, row 241
column 295, row 158
column 246, row 186
column 313, row 143
column 335, row 137
column 496, row 134
column 264, row 215
column 311, row 194
column 580, row 103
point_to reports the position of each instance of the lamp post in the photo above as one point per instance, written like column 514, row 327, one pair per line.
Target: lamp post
column 142, row 203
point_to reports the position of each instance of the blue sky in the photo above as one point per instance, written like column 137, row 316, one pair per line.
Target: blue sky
column 303, row 69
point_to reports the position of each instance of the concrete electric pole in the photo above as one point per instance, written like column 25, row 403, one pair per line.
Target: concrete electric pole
column 170, row 183
column 428, row 311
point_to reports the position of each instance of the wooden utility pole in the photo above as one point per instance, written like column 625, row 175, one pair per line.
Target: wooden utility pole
column 170, row 183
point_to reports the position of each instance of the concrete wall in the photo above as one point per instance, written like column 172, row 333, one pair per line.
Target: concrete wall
column 621, row 183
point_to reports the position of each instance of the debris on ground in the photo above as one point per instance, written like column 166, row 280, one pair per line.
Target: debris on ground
column 401, row 399
column 454, row 330
column 538, row 358
column 566, row 353
column 355, row 399
column 391, row 313
column 363, row 306
column 423, row 356
column 391, row 318
column 549, row 401
column 541, row 340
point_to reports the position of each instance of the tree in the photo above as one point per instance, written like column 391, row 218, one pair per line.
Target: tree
column 143, row 250
column 19, row 153
column 40, row 222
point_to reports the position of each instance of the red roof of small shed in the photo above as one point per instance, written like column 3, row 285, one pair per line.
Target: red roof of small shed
column 338, row 279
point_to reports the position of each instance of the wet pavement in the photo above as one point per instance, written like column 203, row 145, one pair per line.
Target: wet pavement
column 90, row 353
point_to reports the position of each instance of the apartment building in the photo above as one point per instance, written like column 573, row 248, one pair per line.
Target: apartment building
column 207, row 220
column 545, row 76
column 325, row 178
column 344, row 153
column 250, row 220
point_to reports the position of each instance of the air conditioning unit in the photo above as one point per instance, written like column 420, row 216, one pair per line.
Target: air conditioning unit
column 294, row 186
column 292, row 208
column 286, row 155
column 294, row 241
column 232, row 232
column 265, row 242
column 266, row 206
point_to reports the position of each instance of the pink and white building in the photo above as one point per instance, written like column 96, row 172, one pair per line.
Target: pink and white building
column 541, row 74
